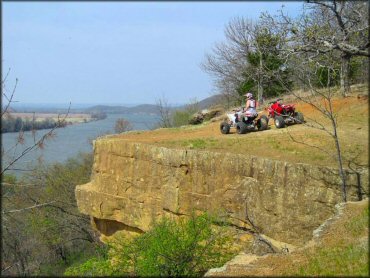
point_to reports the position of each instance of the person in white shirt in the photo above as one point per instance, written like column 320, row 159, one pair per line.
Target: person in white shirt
column 251, row 104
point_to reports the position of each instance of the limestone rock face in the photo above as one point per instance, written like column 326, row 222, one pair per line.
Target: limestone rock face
column 133, row 184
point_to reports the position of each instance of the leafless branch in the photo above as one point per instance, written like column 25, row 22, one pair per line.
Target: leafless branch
column 9, row 99
column 164, row 112
column 28, row 208
column 38, row 144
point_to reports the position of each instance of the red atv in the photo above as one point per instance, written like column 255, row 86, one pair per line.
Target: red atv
column 284, row 114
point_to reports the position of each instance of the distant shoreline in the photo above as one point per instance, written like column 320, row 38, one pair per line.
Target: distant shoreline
column 40, row 121
column 71, row 118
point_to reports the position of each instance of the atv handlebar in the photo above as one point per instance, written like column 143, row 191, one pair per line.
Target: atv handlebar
column 272, row 102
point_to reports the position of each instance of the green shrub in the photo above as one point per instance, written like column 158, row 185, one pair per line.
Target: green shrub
column 92, row 267
column 8, row 181
column 184, row 248
column 181, row 117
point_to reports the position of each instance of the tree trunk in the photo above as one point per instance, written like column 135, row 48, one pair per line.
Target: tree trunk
column 260, row 80
column 344, row 75
column 260, row 92
column 340, row 162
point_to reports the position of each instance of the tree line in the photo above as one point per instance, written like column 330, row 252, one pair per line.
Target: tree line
column 42, row 229
column 326, row 44
column 17, row 124
column 11, row 124
column 98, row 115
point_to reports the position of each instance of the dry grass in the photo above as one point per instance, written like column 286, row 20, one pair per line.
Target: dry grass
column 277, row 143
column 342, row 250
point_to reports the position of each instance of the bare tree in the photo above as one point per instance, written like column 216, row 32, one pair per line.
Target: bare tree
column 320, row 43
column 41, row 223
column 321, row 99
column 248, row 58
column 229, row 59
column 18, row 203
column 337, row 27
column 122, row 125
column 164, row 112
column 38, row 143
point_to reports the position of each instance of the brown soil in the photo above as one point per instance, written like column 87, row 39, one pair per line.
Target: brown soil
column 287, row 144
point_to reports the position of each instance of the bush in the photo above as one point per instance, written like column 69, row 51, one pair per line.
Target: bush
column 122, row 125
column 181, row 118
column 92, row 267
column 98, row 115
column 184, row 248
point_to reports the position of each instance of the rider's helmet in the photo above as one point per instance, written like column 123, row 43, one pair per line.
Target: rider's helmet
column 249, row 95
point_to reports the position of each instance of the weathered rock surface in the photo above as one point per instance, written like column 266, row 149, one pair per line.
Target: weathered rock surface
column 206, row 115
column 133, row 184
column 248, row 264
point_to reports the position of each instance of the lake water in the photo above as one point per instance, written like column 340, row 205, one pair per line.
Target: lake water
column 68, row 142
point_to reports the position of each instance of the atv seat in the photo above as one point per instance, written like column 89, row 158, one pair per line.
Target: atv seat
column 250, row 114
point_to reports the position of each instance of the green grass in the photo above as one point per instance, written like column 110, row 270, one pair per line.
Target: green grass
column 347, row 256
column 205, row 143
column 357, row 225
column 349, row 260
column 198, row 143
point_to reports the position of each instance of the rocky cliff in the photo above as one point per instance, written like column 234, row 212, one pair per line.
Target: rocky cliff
column 134, row 183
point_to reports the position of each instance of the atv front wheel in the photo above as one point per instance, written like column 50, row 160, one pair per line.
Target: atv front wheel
column 298, row 117
column 279, row 122
column 241, row 128
column 262, row 123
column 225, row 128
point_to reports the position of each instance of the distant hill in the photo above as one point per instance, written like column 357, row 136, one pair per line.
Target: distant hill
column 106, row 109
column 142, row 108
column 117, row 109
column 206, row 103
column 212, row 100
column 150, row 108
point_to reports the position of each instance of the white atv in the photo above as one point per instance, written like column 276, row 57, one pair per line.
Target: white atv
column 244, row 121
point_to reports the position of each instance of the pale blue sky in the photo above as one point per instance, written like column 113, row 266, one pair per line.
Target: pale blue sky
column 116, row 52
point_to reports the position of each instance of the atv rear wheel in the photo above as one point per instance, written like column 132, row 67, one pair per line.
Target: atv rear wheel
column 298, row 117
column 262, row 123
column 225, row 128
column 241, row 128
column 279, row 122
